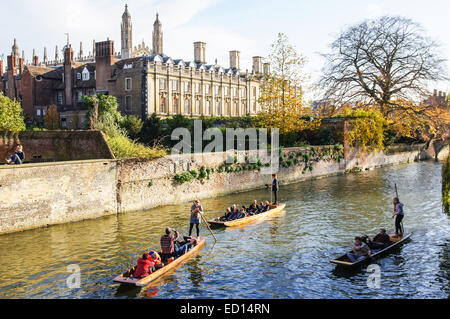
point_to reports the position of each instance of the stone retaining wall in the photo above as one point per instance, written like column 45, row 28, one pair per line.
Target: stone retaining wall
column 37, row 195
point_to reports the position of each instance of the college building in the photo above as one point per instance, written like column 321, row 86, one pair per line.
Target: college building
column 144, row 80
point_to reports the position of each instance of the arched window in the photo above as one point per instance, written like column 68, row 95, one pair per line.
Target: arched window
column 175, row 105
column 197, row 107
column 218, row 111
column 208, row 108
column 163, row 105
column 187, row 105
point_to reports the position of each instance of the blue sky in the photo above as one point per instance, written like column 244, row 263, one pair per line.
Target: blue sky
column 249, row 26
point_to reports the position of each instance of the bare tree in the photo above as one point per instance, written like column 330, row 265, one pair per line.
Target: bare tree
column 379, row 61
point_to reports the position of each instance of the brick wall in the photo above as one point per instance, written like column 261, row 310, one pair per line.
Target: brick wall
column 50, row 146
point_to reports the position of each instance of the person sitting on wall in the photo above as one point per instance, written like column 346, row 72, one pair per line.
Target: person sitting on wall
column 18, row 157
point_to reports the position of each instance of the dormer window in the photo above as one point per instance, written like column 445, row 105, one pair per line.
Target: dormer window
column 86, row 75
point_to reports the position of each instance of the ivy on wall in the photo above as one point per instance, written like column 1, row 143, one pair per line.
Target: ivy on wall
column 305, row 158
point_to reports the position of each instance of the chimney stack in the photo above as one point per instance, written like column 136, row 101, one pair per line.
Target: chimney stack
column 56, row 55
column 1, row 69
column 81, row 50
column 266, row 68
column 36, row 60
column 12, row 64
column 235, row 60
column 68, row 55
column 21, row 65
column 45, row 56
column 257, row 65
column 104, row 58
column 68, row 65
column 200, row 52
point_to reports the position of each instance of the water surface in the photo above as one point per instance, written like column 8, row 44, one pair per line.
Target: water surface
column 286, row 256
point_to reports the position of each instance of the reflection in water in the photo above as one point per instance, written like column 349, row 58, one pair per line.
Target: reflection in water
column 285, row 256
column 195, row 272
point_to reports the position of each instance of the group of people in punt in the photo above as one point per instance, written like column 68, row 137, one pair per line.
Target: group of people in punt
column 234, row 213
column 365, row 245
column 171, row 249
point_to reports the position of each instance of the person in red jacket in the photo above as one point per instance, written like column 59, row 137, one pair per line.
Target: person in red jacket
column 144, row 267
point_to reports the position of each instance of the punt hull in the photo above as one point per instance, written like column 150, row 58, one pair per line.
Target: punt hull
column 216, row 222
column 343, row 260
column 161, row 272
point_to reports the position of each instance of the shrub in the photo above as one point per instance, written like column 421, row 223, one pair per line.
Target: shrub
column 123, row 147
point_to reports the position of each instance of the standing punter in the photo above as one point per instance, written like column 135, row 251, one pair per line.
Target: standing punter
column 275, row 188
column 399, row 215
column 196, row 210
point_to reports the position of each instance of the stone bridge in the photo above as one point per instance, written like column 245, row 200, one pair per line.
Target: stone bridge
column 439, row 149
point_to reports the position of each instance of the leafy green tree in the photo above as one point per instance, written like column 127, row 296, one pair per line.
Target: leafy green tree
column 11, row 116
column 132, row 125
column 51, row 119
column 101, row 106
column 283, row 105
column 151, row 130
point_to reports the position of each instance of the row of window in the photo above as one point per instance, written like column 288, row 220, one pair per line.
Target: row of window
column 163, row 107
column 187, row 88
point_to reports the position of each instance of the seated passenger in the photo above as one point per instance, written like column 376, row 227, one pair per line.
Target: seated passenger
column 183, row 247
column 253, row 209
column 227, row 215
column 266, row 207
column 242, row 213
column 380, row 241
column 155, row 258
column 359, row 251
column 144, row 267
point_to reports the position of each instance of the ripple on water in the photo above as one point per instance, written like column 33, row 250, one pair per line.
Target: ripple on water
column 287, row 256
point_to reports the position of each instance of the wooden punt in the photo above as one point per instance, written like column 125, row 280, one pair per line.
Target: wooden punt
column 274, row 209
column 345, row 262
column 160, row 272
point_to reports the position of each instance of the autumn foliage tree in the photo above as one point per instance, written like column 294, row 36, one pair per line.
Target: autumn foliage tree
column 51, row 119
column 282, row 100
column 11, row 116
column 385, row 64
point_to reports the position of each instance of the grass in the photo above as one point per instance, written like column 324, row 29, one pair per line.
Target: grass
column 123, row 147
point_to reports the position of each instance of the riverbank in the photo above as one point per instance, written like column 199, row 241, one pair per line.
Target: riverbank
column 40, row 195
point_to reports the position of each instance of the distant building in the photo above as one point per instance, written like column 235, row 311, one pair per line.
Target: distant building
column 144, row 81
column 438, row 99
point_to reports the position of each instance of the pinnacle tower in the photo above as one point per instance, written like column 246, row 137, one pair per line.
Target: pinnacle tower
column 157, row 37
column 127, row 34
